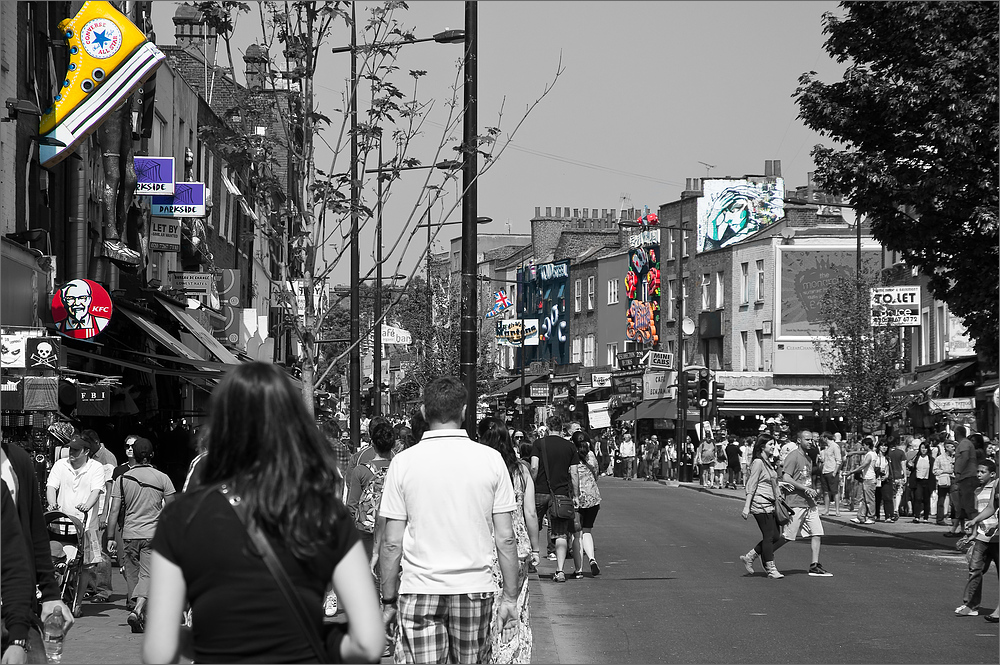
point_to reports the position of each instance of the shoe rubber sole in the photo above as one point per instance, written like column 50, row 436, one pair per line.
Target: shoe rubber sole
column 595, row 570
column 82, row 121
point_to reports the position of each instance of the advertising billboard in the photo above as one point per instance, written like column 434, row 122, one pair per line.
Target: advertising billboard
column 642, row 289
column 731, row 210
column 805, row 274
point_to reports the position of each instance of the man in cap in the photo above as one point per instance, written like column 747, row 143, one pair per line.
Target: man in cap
column 144, row 491
column 74, row 487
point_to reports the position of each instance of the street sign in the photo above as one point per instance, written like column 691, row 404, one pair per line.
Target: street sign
column 188, row 200
column 661, row 360
column 164, row 234
column 154, row 176
column 895, row 306
column 629, row 359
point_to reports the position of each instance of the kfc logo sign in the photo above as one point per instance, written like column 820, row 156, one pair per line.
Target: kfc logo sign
column 81, row 309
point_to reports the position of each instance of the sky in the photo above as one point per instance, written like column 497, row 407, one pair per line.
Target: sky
column 650, row 93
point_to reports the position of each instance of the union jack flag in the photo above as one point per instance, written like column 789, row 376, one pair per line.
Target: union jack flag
column 502, row 302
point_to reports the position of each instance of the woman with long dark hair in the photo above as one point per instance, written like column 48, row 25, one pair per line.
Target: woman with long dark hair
column 493, row 433
column 266, row 453
column 760, row 485
column 922, row 482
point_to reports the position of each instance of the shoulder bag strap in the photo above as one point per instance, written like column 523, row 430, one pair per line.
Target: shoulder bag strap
column 274, row 565
column 545, row 461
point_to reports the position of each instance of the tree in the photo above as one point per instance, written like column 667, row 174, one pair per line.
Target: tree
column 320, row 207
column 860, row 360
column 917, row 115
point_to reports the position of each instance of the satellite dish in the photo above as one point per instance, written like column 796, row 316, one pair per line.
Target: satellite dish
column 687, row 326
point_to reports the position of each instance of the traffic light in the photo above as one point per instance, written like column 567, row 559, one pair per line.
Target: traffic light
column 703, row 387
column 572, row 396
column 692, row 387
column 719, row 393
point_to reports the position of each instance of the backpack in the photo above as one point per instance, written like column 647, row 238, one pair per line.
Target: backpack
column 371, row 497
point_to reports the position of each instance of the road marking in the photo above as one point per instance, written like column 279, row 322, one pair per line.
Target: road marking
column 757, row 614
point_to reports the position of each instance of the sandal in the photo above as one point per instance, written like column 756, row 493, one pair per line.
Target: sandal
column 577, row 575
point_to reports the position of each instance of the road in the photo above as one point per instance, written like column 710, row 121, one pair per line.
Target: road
column 672, row 589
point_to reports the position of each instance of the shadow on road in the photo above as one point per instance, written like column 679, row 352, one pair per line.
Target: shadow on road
column 899, row 542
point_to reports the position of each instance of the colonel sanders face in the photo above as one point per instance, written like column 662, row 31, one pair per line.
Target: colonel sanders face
column 76, row 298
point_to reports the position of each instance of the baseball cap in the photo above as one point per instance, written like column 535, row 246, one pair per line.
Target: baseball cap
column 78, row 443
column 518, row 433
column 142, row 448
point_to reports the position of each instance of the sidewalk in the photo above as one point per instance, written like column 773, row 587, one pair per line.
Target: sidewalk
column 924, row 532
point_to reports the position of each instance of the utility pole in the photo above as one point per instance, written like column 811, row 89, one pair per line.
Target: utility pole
column 355, row 356
column 681, row 431
column 469, row 211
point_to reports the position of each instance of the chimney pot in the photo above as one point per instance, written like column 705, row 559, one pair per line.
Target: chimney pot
column 777, row 168
column 538, row 210
column 548, row 211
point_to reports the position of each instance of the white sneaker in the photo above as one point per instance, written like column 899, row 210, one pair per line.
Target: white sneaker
column 330, row 604
column 966, row 611
column 748, row 562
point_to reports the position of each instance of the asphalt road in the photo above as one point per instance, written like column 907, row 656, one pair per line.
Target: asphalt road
column 672, row 589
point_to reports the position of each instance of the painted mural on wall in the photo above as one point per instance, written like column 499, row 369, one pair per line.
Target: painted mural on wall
column 731, row 210
column 544, row 290
column 642, row 284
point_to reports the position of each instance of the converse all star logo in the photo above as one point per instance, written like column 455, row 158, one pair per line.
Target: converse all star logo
column 101, row 38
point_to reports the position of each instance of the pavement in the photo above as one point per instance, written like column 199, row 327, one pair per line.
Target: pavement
column 102, row 635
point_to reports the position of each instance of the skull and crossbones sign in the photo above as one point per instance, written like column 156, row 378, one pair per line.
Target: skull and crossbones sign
column 44, row 355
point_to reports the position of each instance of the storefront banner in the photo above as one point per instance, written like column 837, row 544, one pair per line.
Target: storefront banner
column 154, row 175
column 188, row 200
column 539, row 390
column 657, row 385
column 510, row 331
column 599, row 416
column 953, row 404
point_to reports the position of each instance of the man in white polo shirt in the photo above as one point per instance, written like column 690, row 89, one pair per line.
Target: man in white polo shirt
column 447, row 504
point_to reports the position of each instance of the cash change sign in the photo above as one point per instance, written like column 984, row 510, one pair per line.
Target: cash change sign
column 896, row 306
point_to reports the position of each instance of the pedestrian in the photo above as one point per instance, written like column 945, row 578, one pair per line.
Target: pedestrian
column 965, row 470
column 271, row 486
column 518, row 649
column 706, row 459
column 17, row 586
column 588, row 499
column 101, row 579
column 143, row 492
column 805, row 520
column 897, row 472
column 364, row 494
column 864, row 473
column 832, row 460
column 118, row 518
column 883, row 487
column 74, row 487
column 761, row 483
column 984, row 547
column 341, row 451
column 17, row 470
column 627, row 452
column 733, row 462
column 441, row 607
column 551, row 459
column 922, row 482
column 652, row 455
column 720, row 464
column 944, row 468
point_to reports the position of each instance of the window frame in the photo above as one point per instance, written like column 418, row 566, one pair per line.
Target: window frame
column 589, row 350
column 591, row 292
column 720, row 289
column 706, row 292
column 613, row 291
column 760, row 281
column 745, row 283
column 612, row 354
column 577, row 296
column 576, row 350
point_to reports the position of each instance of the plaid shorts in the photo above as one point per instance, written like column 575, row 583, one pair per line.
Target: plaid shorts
column 436, row 628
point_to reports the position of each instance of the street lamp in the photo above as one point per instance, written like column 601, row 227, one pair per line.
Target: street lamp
column 445, row 37
column 469, row 208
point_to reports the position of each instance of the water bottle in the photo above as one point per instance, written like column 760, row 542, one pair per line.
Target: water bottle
column 52, row 636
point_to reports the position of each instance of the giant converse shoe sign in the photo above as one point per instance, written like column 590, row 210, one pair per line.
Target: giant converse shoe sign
column 109, row 58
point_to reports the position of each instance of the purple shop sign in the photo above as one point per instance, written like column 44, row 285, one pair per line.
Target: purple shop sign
column 155, row 176
column 188, row 201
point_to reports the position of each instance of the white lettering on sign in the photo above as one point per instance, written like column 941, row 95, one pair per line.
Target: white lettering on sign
column 895, row 306
column 553, row 270
column 649, row 237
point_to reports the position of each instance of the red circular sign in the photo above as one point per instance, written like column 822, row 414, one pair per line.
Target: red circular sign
column 81, row 309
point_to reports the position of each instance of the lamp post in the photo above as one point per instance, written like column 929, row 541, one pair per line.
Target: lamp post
column 469, row 207
column 445, row 37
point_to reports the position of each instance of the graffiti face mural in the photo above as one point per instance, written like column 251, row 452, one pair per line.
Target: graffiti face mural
column 732, row 210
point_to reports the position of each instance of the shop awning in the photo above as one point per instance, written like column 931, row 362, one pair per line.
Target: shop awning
column 664, row 408
column 933, row 378
column 902, row 405
column 770, row 400
column 149, row 369
column 515, row 385
column 205, row 337
column 160, row 335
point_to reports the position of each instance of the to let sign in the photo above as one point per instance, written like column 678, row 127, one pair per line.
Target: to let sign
column 895, row 306
column 164, row 235
column 154, row 176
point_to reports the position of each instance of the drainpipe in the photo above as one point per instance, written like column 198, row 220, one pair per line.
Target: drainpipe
column 76, row 237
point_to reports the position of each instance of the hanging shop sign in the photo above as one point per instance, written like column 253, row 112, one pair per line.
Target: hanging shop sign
column 41, row 355
column 164, row 235
column 193, row 284
column 657, row 385
column 393, row 335
column 154, row 175
column 599, row 416
column 953, row 404
column 509, row 332
column 93, row 400
column 81, row 309
column 600, row 380
column 545, row 290
column 660, row 360
column 188, row 200
column 629, row 359
column 539, row 390
column 895, row 306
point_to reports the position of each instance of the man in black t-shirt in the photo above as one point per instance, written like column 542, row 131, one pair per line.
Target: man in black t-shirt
column 733, row 462
column 559, row 454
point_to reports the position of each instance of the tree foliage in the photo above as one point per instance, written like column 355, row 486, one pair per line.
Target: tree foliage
column 862, row 361
column 917, row 117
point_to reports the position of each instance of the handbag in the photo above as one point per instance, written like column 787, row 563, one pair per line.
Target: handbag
column 561, row 505
column 782, row 511
column 324, row 648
